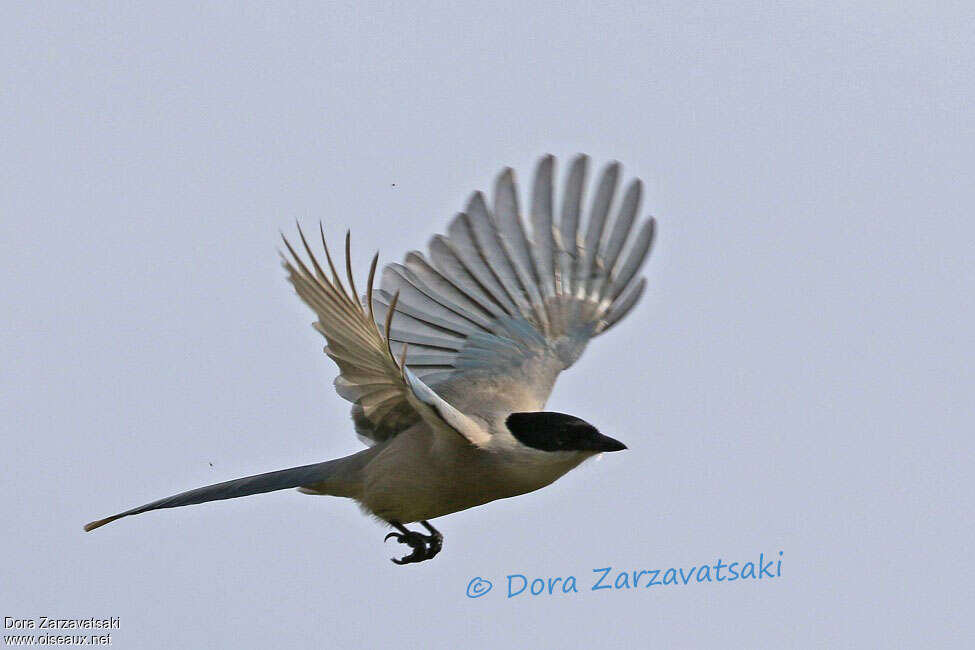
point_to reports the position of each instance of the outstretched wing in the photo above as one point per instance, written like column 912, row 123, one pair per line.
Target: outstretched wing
column 387, row 394
column 494, row 312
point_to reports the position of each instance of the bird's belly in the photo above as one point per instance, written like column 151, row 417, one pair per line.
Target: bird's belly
column 441, row 489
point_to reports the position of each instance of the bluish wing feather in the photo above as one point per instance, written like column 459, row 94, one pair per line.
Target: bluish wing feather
column 524, row 305
column 543, row 240
column 634, row 260
column 585, row 272
column 489, row 246
column 569, row 226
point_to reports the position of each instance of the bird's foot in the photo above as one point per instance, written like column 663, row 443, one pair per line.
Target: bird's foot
column 414, row 540
column 425, row 547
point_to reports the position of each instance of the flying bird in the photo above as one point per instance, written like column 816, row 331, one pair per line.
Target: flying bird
column 449, row 363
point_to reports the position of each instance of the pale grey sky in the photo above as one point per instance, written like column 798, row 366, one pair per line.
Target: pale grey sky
column 798, row 377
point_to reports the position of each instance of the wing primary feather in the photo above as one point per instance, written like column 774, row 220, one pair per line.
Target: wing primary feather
column 296, row 257
column 372, row 278
column 612, row 245
column 389, row 322
column 328, row 258
column 304, row 283
column 450, row 263
column 318, row 269
column 510, row 230
column 488, row 242
column 512, row 227
column 623, row 306
column 569, row 225
column 402, row 356
column 463, row 242
column 623, row 225
column 541, row 218
column 597, row 223
column 635, row 258
column 348, row 264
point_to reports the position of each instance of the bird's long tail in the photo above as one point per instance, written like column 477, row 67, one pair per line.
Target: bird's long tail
column 241, row 487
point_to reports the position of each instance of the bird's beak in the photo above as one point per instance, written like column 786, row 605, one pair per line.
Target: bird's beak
column 605, row 443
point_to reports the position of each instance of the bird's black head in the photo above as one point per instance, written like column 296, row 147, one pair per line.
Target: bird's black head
column 549, row 431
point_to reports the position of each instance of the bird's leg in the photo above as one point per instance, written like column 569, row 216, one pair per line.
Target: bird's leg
column 416, row 541
column 434, row 540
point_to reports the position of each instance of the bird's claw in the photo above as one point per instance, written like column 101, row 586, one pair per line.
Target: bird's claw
column 434, row 545
column 425, row 547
